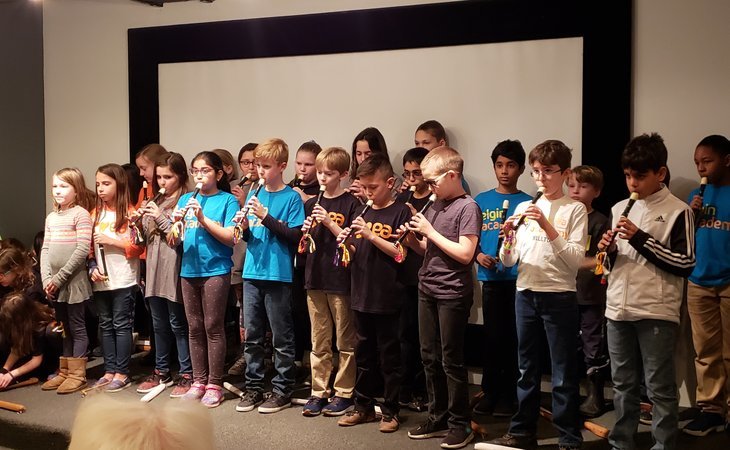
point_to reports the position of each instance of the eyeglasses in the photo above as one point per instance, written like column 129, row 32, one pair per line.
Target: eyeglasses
column 246, row 162
column 204, row 171
column 415, row 173
column 435, row 181
column 545, row 173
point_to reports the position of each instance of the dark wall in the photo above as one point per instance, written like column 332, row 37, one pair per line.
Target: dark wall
column 22, row 137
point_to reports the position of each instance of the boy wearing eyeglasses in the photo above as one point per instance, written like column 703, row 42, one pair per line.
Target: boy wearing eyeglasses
column 413, row 389
column 499, row 369
column 450, row 230
column 550, row 247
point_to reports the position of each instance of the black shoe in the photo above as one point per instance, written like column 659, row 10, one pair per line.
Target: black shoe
column 250, row 400
column 457, row 437
column 428, row 429
column 705, row 424
column 418, row 404
column 274, row 403
column 485, row 406
column 594, row 405
column 509, row 440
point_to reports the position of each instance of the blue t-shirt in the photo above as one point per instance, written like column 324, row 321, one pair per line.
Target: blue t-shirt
column 269, row 257
column 490, row 203
column 712, row 241
column 204, row 255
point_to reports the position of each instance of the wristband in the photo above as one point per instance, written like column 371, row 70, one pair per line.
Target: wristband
column 3, row 371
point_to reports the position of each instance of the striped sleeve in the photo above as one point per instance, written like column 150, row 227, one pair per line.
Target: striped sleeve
column 677, row 259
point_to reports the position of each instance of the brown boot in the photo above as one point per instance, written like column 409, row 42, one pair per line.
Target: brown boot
column 55, row 382
column 76, row 378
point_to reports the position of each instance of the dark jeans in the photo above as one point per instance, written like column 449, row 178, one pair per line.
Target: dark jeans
column 593, row 335
column 556, row 315
column 75, row 341
column 272, row 299
column 442, row 325
column 378, row 355
column 500, row 371
column 414, row 377
column 116, row 318
column 300, row 315
column 171, row 328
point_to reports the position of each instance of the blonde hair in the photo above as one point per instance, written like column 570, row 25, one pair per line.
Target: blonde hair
column 228, row 160
column 106, row 423
column 333, row 158
column 153, row 152
column 443, row 159
column 274, row 148
column 85, row 197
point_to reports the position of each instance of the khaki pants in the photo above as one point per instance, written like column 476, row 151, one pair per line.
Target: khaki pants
column 709, row 312
column 326, row 310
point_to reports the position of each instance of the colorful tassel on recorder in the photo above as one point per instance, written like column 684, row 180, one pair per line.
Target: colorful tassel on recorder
column 306, row 244
column 402, row 253
column 342, row 255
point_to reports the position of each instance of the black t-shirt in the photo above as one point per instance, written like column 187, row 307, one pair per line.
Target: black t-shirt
column 589, row 289
column 321, row 273
column 310, row 189
column 376, row 277
column 413, row 261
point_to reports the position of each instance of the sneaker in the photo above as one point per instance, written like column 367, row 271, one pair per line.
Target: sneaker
column 389, row 424
column 313, row 407
column 418, row 404
column 509, row 440
column 458, row 437
column 338, row 406
column 196, row 392
column 213, row 396
column 705, row 424
column 249, row 401
column 153, row 381
column 485, row 406
column 645, row 415
column 356, row 417
column 428, row 430
column 238, row 368
column 183, row 386
column 274, row 403
column 117, row 385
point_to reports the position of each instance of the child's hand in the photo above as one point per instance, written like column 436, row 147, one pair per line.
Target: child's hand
column 603, row 245
column 403, row 187
column 194, row 205
column 51, row 291
column 240, row 218
column 356, row 189
column 321, row 215
column 626, row 228
column 301, row 193
column 177, row 214
column 256, row 208
column 136, row 214
column 421, row 225
column 696, row 203
column 103, row 239
column 307, row 224
column 345, row 232
column 152, row 210
column 487, row 261
column 360, row 227
column 239, row 194
column 508, row 225
column 533, row 212
column 413, row 210
column 5, row 380
column 97, row 276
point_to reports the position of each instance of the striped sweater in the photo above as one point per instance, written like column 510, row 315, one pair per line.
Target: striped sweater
column 64, row 253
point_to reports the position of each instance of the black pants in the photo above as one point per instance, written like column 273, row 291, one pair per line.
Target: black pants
column 499, row 371
column 593, row 335
column 414, row 378
column 443, row 326
column 300, row 314
column 377, row 342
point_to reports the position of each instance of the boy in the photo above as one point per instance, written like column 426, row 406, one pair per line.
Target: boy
column 550, row 247
column 451, row 233
column 653, row 253
column 708, row 291
column 305, row 179
column 328, row 288
column 499, row 371
column 272, row 228
column 585, row 185
column 376, row 296
column 413, row 390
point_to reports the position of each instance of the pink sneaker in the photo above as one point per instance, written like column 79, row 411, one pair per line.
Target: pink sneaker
column 213, row 396
column 196, row 392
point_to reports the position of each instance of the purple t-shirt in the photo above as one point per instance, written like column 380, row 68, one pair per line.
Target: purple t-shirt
column 441, row 276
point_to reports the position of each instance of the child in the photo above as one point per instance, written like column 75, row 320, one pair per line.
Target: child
column 305, row 178
column 145, row 161
column 162, row 287
column 708, row 291
column 271, row 230
column 451, row 234
column 499, row 372
column 229, row 164
column 367, row 142
column 328, row 289
column 430, row 134
column 653, row 253
column 63, row 269
column 550, row 248
column 114, row 272
column 413, row 389
column 584, row 185
column 376, row 296
column 205, row 272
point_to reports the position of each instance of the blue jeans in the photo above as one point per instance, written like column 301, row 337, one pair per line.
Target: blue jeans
column 272, row 299
column 116, row 317
column 170, row 327
column 554, row 314
column 650, row 343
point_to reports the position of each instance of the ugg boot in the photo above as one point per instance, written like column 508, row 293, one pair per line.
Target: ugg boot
column 76, row 378
column 594, row 405
column 55, row 382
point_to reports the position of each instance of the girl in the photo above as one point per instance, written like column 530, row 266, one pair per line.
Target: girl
column 145, row 161
column 206, row 273
column 114, row 272
column 229, row 164
column 63, row 271
column 367, row 142
column 162, row 288
column 306, row 173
